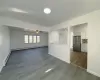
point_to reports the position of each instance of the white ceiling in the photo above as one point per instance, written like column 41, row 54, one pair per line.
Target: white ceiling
column 22, row 29
column 62, row 10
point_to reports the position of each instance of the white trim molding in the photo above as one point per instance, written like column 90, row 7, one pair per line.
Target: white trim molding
column 94, row 73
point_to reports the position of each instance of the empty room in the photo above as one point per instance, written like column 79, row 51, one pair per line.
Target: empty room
column 49, row 40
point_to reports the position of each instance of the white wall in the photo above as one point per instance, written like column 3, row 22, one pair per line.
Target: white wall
column 63, row 36
column 93, row 35
column 17, row 39
column 4, row 45
column 54, row 37
column 59, row 51
column 57, row 48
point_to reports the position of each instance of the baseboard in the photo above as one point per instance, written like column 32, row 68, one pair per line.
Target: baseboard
column 5, row 61
column 1, row 67
column 27, row 48
column 96, row 74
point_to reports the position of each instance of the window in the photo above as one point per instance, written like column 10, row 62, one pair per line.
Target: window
column 26, row 39
column 30, row 39
column 38, row 39
column 34, row 39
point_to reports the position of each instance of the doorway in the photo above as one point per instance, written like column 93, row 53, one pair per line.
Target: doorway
column 78, row 45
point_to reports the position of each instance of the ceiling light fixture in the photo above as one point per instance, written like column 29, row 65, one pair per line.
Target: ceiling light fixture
column 37, row 31
column 47, row 10
column 17, row 10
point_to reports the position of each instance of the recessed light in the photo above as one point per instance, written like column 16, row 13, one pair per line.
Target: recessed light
column 47, row 10
column 17, row 10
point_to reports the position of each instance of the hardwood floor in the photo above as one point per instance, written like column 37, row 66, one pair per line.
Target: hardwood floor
column 37, row 64
column 79, row 59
